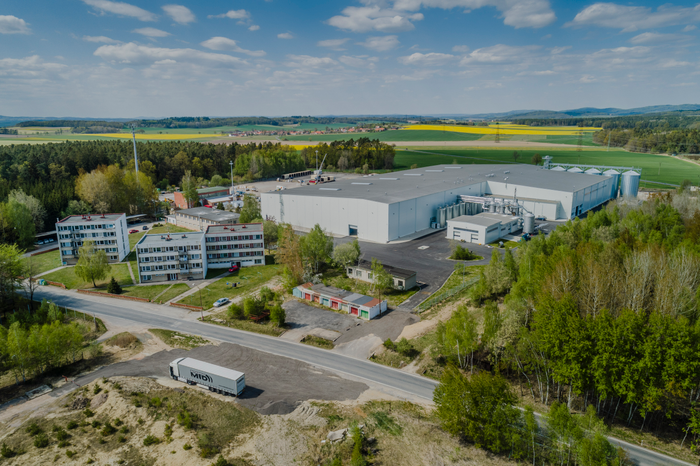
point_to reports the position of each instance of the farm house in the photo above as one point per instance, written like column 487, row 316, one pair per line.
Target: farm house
column 358, row 305
column 384, row 208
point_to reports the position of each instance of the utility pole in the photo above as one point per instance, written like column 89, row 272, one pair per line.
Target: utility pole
column 231, row 163
column 136, row 157
column 316, row 160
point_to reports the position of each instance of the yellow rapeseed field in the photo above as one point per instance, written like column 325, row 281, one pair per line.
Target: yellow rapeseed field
column 507, row 129
column 163, row 137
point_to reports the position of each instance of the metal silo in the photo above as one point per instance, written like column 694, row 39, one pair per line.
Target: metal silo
column 629, row 185
column 441, row 217
column 528, row 223
column 593, row 171
column 574, row 170
column 615, row 181
column 558, row 169
column 462, row 208
column 492, row 207
column 449, row 213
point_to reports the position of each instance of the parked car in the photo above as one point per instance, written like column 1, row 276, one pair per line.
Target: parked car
column 541, row 218
column 220, row 302
column 133, row 231
column 234, row 268
column 145, row 227
column 50, row 240
column 37, row 243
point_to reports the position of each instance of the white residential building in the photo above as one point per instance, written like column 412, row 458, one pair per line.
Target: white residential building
column 108, row 232
column 169, row 257
column 242, row 244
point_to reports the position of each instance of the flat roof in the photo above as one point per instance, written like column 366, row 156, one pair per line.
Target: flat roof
column 478, row 219
column 395, row 271
column 389, row 188
column 95, row 218
column 215, row 189
column 253, row 227
column 175, row 238
column 207, row 213
column 496, row 216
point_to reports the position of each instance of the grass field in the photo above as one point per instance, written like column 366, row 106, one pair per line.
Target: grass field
column 654, row 167
column 250, row 278
column 392, row 135
column 148, row 292
column 67, row 276
column 135, row 237
column 173, row 292
column 43, row 262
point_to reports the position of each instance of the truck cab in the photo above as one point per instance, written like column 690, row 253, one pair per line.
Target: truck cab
column 174, row 371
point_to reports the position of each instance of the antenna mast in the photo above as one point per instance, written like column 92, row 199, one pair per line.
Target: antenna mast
column 136, row 157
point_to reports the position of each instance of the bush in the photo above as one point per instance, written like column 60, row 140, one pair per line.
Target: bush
column 207, row 448
column 7, row 452
column 155, row 402
column 124, row 430
column 121, row 439
column 388, row 344
column 108, row 429
column 404, row 347
column 187, row 446
column 235, row 312
column 41, row 440
column 463, row 254
column 72, row 425
column 33, row 429
column 70, row 454
column 137, row 402
column 114, row 287
column 63, row 444
column 61, row 435
column 221, row 461
column 358, row 170
column 88, row 412
column 118, row 422
column 185, row 420
column 277, row 315
column 97, row 389
column 96, row 424
column 150, row 440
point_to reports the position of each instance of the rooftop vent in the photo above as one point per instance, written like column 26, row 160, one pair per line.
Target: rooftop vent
column 366, row 184
column 452, row 166
column 506, row 172
column 435, row 171
column 412, row 174
column 329, row 189
column 389, row 179
column 184, row 236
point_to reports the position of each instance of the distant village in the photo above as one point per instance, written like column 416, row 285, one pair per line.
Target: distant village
column 283, row 132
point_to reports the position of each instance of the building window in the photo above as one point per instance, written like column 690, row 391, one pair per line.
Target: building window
column 358, row 273
column 400, row 282
column 258, row 261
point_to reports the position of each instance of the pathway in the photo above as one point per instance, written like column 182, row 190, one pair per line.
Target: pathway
column 201, row 285
column 50, row 271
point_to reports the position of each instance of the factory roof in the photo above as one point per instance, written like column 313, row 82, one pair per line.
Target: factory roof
column 94, row 218
column 214, row 215
column 400, row 186
column 216, row 189
column 244, row 227
column 171, row 238
column 478, row 219
column 499, row 217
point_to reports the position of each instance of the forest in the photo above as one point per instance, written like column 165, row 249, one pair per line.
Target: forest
column 684, row 141
column 661, row 121
column 351, row 154
column 602, row 315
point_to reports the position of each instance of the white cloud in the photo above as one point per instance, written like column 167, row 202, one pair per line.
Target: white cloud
column 655, row 37
column 633, row 18
column 133, row 53
column 121, row 9
column 426, row 59
column 558, row 50
column 381, row 43
column 226, row 44
column 13, row 25
column 460, row 49
column 233, row 14
column 254, row 27
column 285, row 35
column 151, row 32
column 180, row 14
column 499, row 54
column 29, row 67
column 486, row 85
column 333, row 44
column 516, row 13
column 690, row 27
column 674, row 64
column 307, row 61
column 100, row 39
column 374, row 18
column 360, row 61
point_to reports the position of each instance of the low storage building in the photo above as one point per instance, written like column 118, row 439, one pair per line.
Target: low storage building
column 483, row 228
column 203, row 193
column 242, row 245
column 199, row 218
column 358, row 305
column 170, row 257
column 403, row 279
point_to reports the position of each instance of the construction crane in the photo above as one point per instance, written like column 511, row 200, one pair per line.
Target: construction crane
column 317, row 177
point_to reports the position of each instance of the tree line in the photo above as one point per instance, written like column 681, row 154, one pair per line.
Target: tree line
column 603, row 312
column 659, row 140
column 351, row 154
column 662, row 121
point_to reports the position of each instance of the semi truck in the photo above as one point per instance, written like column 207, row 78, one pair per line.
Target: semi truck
column 210, row 376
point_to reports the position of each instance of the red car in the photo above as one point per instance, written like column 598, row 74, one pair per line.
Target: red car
column 133, row 231
column 233, row 268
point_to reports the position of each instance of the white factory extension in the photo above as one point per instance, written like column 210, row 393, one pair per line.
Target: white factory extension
column 383, row 208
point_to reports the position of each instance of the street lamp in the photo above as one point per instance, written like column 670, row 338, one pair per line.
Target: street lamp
column 231, row 163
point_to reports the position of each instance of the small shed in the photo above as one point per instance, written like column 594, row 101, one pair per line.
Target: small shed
column 483, row 228
column 404, row 279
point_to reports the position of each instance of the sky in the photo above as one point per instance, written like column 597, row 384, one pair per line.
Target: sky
column 144, row 58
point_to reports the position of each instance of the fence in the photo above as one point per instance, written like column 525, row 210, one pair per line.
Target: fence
column 437, row 298
column 186, row 306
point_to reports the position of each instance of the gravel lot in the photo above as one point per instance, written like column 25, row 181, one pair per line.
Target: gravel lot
column 275, row 384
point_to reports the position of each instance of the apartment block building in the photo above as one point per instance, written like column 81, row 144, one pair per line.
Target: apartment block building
column 241, row 244
column 108, row 232
column 169, row 257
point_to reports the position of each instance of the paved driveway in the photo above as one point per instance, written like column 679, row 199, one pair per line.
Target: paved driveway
column 300, row 315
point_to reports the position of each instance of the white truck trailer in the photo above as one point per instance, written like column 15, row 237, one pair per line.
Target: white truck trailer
column 215, row 378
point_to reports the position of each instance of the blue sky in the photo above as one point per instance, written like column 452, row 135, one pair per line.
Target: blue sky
column 103, row 58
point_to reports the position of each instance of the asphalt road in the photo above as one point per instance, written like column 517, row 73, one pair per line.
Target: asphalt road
column 154, row 316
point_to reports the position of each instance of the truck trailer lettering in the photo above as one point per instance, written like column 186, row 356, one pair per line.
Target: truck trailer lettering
column 202, row 377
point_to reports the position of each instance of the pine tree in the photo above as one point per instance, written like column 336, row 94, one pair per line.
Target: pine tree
column 114, row 287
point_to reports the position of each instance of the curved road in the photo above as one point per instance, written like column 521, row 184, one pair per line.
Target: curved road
column 156, row 316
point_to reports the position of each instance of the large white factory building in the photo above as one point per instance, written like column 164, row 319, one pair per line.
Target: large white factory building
column 383, row 208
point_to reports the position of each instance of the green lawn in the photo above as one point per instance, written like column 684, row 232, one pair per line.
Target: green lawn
column 250, row 279
column 460, row 275
column 67, row 276
column 654, row 167
column 135, row 237
column 43, row 262
column 149, row 291
column 264, row 327
column 176, row 290
column 391, row 135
